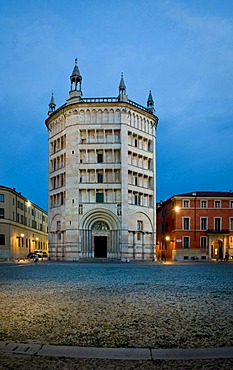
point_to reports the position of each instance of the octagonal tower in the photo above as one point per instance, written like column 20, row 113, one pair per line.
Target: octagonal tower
column 102, row 176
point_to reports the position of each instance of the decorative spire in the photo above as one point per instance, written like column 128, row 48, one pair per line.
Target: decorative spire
column 122, row 90
column 75, row 80
column 150, row 103
column 52, row 105
column 122, row 87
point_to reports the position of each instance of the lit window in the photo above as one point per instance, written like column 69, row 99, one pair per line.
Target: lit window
column 231, row 242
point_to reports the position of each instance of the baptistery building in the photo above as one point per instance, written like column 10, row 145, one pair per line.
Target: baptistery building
column 102, row 176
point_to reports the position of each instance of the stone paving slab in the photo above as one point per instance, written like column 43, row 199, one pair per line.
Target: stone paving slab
column 27, row 348
column 192, row 353
column 93, row 352
column 34, row 348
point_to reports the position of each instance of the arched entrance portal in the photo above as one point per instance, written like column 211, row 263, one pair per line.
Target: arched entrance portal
column 217, row 249
column 100, row 233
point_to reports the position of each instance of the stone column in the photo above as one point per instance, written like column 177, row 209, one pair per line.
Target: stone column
column 209, row 246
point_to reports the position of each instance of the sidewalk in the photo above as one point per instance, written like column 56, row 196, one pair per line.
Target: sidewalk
column 142, row 354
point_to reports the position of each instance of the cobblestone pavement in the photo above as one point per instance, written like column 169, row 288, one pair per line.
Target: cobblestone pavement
column 116, row 305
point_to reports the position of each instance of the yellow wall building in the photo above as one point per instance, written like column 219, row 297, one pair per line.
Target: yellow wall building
column 23, row 226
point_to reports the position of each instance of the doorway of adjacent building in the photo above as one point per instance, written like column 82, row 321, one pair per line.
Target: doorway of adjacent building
column 100, row 246
column 217, row 249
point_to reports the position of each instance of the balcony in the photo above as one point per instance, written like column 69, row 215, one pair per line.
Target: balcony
column 218, row 231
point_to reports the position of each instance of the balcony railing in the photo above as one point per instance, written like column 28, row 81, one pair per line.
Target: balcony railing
column 104, row 100
column 218, row 231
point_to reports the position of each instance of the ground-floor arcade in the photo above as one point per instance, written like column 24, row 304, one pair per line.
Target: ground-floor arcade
column 100, row 234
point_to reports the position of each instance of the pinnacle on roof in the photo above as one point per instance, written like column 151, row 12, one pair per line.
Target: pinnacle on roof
column 76, row 79
column 52, row 101
column 150, row 101
column 122, row 87
column 52, row 104
column 76, row 72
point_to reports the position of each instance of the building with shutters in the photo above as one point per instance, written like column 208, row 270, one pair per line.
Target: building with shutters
column 102, row 176
column 23, row 226
column 196, row 225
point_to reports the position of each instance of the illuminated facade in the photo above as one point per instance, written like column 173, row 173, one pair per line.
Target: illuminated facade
column 23, row 226
column 101, row 176
column 195, row 225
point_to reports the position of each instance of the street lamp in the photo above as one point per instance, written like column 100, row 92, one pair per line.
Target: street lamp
column 28, row 204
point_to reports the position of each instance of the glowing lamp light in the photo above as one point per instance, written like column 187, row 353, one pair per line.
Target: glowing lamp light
column 28, row 203
column 22, row 235
column 167, row 238
column 177, row 208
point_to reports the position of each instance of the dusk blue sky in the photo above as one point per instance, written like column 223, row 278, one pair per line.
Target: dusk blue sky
column 181, row 50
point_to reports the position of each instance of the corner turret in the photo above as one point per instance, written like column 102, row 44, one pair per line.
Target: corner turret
column 150, row 103
column 122, row 90
column 75, row 82
column 52, row 105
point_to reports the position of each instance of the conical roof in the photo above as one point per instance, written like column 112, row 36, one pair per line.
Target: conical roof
column 76, row 76
column 122, row 86
column 150, row 101
column 52, row 101
column 52, row 105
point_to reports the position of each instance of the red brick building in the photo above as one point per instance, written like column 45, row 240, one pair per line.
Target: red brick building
column 195, row 225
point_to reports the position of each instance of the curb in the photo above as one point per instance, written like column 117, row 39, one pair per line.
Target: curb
column 145, row 354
